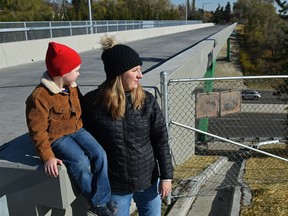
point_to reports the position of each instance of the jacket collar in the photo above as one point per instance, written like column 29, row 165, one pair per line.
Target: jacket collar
column 50, row 84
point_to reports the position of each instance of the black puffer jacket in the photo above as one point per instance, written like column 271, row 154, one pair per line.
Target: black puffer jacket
column 135, row 145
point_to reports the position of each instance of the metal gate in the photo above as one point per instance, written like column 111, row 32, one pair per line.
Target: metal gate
column 226, row 132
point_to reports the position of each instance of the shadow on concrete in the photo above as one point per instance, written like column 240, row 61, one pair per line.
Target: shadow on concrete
column 21, row 151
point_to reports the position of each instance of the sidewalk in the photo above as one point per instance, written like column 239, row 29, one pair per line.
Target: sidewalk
column 230, row 68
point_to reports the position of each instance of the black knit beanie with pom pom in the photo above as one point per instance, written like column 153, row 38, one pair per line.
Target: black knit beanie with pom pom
column 119, row 59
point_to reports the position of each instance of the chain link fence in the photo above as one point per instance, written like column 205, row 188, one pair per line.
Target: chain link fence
column 227, row 132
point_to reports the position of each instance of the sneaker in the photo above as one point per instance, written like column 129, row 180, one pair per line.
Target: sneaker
column 99, row 211
column 112, row 206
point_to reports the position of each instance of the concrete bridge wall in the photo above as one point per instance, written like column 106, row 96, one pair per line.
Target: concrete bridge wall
column 21, row 52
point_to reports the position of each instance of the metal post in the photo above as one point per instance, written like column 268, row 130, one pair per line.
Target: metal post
column 26, row 35
column 164, row 104
column 90, row 16
column 71, row 31
column 51, row 31
column 228, row 50
column 186, row 14
column 208, row 87
column 203, row 5
column 164, row 95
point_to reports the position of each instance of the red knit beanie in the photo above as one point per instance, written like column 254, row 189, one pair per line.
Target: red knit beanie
column 61, row 59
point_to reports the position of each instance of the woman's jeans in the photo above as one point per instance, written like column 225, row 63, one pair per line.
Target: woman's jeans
column 86, row 163
column 148, row 201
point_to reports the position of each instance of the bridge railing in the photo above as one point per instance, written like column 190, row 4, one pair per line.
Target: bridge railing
column 21, row 31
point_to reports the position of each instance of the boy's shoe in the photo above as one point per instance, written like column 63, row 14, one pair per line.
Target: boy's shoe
column 112, row 206
column 99, row 211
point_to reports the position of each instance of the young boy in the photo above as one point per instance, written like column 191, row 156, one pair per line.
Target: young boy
column 53, row 115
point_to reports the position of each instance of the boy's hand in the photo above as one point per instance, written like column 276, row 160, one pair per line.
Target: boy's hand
column 50, row 167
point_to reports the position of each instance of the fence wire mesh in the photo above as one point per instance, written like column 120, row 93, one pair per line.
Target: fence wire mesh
column 227, row 132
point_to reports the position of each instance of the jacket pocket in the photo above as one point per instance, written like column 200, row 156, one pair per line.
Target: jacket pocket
column 59, row 113
column 55, row 127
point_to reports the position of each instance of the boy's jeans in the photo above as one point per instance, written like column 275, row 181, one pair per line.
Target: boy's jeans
column 86, row 162
column 148, row 201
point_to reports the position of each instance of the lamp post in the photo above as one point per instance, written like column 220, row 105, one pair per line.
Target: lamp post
column 203, row 5
column 186, row 13
column 90, row 16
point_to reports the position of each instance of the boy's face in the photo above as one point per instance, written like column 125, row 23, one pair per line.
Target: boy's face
column 71, row 77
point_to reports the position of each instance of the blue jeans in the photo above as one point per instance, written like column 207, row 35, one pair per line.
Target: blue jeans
column 86, row 162
column 148, row 201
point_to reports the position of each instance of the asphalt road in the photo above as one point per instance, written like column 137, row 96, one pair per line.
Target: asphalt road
column 267, row 97
column 17, row 82
column 265, row 118
column 249, row 125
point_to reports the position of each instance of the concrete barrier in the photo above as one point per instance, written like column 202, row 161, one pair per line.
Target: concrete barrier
column 22, row 52
column 27, row 190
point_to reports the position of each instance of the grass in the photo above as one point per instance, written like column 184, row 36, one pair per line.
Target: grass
column 192, row 167
column 267, row 177
column 269, row 187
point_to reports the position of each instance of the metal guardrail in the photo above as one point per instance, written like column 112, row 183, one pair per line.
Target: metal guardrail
column 21, row 31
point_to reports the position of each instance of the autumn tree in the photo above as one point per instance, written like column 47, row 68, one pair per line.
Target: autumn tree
column 284, row 15
column 263, row 41
column 134, row 10
column 25, row 10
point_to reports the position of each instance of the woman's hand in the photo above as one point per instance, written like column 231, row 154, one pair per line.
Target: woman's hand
column 165, row 188
column 50, row 167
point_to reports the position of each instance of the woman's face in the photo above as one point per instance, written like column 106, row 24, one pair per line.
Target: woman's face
column 131, row 78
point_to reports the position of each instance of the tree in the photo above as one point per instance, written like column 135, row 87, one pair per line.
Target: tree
column 263, row 39
column 25, row 10
column 227, row 13
column 283, row 8
column 283, row 14
column 222, row 15
column 81, row 9
column 218, row 14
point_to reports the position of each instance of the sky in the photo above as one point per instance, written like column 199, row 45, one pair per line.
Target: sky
column 209, row 5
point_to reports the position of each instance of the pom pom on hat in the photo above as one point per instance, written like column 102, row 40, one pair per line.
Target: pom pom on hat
column 61, row 59
column 117, row 58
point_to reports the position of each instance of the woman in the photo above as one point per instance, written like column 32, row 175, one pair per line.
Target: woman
column 128, row 123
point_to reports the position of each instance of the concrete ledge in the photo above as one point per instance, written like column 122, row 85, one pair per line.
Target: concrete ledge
column 24, row 175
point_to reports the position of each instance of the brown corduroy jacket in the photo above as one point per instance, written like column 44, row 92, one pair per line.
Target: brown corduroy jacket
column 51, row 114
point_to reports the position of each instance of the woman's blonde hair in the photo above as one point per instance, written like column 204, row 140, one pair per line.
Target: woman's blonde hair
column 111, row 94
